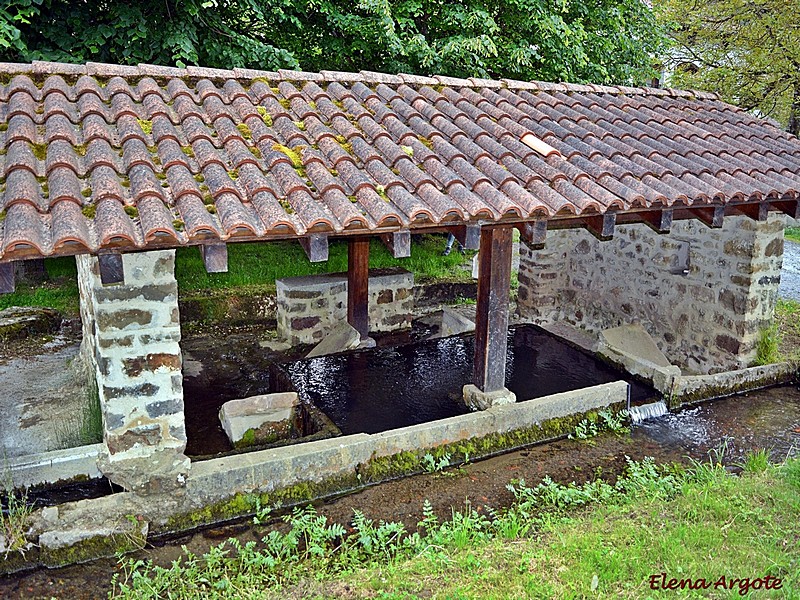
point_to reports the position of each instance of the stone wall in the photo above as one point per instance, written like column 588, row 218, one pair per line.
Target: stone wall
column 703, row 294
column 131, row 333
column 310, row 305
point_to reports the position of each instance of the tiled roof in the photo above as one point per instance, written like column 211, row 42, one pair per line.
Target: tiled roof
column 102, row 156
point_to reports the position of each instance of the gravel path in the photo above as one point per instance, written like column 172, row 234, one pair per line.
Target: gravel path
column 790, row 275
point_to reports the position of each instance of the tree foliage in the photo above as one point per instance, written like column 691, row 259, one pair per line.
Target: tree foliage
column 746, row 50
column 603, row 41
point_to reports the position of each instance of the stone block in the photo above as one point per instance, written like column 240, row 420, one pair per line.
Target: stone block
column 259, row 419
column 477, row 399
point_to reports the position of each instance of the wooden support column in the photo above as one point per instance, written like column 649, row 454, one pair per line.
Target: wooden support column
column 358, row 285
column 491, row 322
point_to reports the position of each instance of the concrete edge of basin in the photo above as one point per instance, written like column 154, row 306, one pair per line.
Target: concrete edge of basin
column 54, row 467
column 689, row 389
column 228, row 488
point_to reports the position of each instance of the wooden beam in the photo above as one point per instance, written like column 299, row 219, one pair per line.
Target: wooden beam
column 711, row 216
column 533, row 232
column 659, row 221
column 316, row 247
column 468, row 236
column 358, row 285
column 758, row 211
column 398, row 243
column 111, row 272
column 215, row 257
column 787, row 207
column 7, row 278
column 491, row 319
column 601, row 226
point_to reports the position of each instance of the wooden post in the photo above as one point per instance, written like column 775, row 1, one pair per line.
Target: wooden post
column 491, row 322
column 358, row 285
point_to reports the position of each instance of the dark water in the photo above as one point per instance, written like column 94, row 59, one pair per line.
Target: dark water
column 386, row 388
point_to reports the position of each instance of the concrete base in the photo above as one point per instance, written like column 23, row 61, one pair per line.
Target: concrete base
column 159, row 472
column 477, row 399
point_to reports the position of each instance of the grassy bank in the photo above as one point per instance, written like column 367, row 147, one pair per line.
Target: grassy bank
column 555, row 541
column 250, row 265
column 792, row 234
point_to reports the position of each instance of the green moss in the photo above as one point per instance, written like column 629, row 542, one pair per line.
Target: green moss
column 100, row 546
column 199, row 178
column 285, row 103
column 286, row 206
column 86, row 192
column 39, row 151
column 248, row 439
column 265, row 116
column 178, row 225
column 147, row 126
column 381, row 191
column 425, row 142
column 233, row 174
column 245, row 131
column 3, row 215
column 300, row 125
column 342, row 141
column 208, row 198
column 338, row 104
column 333, row 172
column 187, row 150
column 131, row 211
column 3, row 127
column 255, row 151
column 295, row 154
column 211, row 209
column 352, row 199
column 89, row 211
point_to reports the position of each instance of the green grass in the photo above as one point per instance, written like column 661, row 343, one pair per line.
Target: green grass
column 787, row 318
column 60, row 292
column 555, row 541
column 249, row 265
column 263, row 263
column 792, row 234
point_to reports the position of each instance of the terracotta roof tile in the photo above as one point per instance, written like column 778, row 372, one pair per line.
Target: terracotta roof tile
column 97, row 156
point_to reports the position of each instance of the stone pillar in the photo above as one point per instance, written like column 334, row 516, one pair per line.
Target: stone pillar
column 131, row 335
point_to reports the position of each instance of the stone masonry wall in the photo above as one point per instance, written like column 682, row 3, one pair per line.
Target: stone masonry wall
column 309, row 306
column 703, row 294
column 131, row 335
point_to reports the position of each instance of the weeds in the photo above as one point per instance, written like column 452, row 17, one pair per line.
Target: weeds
column 433, row 465
column 755, row 461
column 767, row 347
column 314, row 548
column 605, row 421
column 15, row 515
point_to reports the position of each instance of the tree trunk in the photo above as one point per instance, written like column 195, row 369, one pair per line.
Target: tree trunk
column 794, row 113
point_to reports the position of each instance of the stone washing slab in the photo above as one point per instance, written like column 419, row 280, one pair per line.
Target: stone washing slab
column 341, row 338
column 634, row 340
column 268, row 414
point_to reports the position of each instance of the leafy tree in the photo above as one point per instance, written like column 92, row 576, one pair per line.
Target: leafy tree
column 746, row 50
column 603, row 41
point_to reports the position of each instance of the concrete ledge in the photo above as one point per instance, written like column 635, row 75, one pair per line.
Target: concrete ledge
column 696, row 388
column 226, row 488
column 56, row 466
